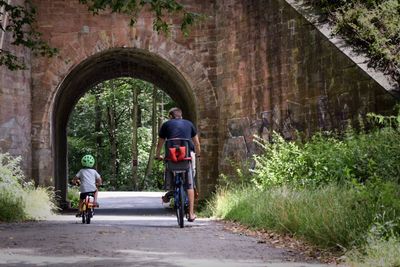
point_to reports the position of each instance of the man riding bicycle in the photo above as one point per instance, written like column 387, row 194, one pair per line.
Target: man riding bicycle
column 177, row 127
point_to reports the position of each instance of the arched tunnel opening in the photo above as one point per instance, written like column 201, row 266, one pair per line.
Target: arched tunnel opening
column 108, row 65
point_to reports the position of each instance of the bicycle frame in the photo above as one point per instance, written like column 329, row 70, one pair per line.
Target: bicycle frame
column 88, row 209
column 178, row 162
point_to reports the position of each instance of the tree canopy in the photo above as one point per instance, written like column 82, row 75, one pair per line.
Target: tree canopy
column 101, row 124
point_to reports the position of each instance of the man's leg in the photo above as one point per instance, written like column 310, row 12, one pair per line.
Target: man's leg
column 193, row 156
column 190, row 192
column 191, row 203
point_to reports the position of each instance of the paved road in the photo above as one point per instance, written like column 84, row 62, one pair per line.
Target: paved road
column 133, row 229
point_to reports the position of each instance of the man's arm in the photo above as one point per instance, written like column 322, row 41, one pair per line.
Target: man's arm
column 196, row 143
column 159, row 146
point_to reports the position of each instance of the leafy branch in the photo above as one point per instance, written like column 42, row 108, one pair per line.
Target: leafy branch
column 160, row 8
column 18, row 20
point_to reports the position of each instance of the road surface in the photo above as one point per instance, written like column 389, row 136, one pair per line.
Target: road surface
column 134, row 229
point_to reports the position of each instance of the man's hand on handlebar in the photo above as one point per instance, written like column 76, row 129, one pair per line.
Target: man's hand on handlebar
column 159, row 157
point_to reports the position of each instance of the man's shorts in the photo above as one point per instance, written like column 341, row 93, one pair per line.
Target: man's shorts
column 169, row 180
column 83, row 195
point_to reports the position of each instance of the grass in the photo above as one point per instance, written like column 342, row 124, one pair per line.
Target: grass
column 20, row 200
column 39, row 203
column 331, row 217
column 378, row 252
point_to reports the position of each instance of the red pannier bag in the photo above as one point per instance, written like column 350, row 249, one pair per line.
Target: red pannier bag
column 177, row 153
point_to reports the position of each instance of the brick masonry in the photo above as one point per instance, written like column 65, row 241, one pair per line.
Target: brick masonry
column 249, row 68
column 276, row 71
column 15, row 109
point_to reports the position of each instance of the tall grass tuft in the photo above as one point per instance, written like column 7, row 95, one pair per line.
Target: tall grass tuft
column 20, row 200
column 39, row 203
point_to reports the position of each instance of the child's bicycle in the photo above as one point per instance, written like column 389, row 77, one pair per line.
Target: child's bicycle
column 88, row 206
column 87, row 209
column 178, row 161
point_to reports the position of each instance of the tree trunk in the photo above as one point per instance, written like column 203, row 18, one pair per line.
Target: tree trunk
column 112, row 132
column 97, row 128
column 113, row 144
column 154, row 124
column 134, row 121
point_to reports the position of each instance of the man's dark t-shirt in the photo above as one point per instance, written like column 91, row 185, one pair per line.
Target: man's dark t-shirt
column 178, row 128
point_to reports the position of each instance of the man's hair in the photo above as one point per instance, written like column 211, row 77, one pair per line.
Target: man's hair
column 175, row 112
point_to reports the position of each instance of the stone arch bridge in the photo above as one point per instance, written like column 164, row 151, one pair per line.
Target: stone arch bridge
column 249, row 68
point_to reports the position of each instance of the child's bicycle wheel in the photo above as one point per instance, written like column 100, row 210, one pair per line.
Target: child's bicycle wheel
column 88, row 215
column 84, row 213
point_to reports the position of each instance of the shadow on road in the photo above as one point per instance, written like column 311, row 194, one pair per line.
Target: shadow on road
column 134, row 211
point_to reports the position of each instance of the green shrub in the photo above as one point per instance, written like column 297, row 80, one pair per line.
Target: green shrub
column 11, row 176
column 73, row 196
column 325, row 159
column 11, row 207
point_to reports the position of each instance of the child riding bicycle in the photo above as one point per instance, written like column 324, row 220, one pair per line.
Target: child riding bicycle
column 89, row 179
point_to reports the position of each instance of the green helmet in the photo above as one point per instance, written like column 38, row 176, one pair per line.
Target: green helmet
column 87, row 161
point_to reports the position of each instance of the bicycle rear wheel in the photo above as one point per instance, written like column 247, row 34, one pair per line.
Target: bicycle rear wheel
column 84, row 213
column 180, row 210
column 88, row 215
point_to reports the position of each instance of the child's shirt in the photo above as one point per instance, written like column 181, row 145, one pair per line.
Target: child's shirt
column 88, row 179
